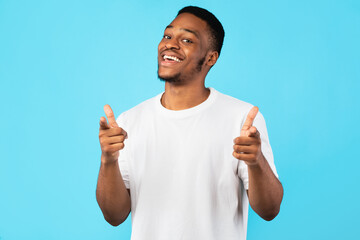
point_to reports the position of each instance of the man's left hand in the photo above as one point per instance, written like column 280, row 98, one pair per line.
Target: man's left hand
column 247, row 147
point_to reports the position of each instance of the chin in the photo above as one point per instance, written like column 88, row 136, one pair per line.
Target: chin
column 170, row 79
column 173, row 78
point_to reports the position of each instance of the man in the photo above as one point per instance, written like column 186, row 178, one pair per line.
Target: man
column 187, row 155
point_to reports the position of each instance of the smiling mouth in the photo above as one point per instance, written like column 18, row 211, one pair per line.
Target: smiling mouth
column 169, row 58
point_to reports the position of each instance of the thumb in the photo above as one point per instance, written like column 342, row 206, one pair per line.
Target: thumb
column 103, row 123
column 252, row 132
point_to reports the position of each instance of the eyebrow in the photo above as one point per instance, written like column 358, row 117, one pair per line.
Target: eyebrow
column 186, row 30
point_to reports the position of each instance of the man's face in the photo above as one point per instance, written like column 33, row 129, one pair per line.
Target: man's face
column 182, row 51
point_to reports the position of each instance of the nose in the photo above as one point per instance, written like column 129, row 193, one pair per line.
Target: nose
column 171, row 44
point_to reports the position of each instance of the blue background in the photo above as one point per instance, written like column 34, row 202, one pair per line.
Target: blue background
column 61, row 61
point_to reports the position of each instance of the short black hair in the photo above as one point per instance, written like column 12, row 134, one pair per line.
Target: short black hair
column 216, row 29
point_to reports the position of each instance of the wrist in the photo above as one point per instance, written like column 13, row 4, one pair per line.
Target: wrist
column 258, row 164
column 108, row 160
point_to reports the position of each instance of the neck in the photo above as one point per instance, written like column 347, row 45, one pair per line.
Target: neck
column 180, row 97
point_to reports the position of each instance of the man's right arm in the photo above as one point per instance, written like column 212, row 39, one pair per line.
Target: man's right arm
column 111, row 193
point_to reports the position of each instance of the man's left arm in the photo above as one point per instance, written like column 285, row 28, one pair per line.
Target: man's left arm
column 265, row 190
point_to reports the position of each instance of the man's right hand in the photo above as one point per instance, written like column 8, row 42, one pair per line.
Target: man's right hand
column 111, row 137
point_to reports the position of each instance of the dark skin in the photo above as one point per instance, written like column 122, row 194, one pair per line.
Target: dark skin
column 111, row 193
column 186, row 38
column 265, row 190
column 185, row 55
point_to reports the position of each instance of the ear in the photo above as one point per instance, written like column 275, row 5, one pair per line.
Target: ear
column 212, row 58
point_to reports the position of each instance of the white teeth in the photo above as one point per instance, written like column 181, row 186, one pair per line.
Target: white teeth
column 172, row 58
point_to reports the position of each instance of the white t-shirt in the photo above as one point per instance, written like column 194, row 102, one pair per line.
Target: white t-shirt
column 183, row 179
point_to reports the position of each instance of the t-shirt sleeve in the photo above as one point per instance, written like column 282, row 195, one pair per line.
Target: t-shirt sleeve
column 259, row 123
column 123, row 156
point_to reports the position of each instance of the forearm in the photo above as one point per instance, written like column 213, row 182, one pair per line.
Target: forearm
column 265, row 190
column 111, row 194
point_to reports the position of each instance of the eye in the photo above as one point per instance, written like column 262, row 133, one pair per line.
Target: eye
column 167, row 37
column 187, row 40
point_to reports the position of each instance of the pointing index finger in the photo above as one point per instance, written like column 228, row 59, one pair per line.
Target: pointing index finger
column 110, row 115
column 249, row 120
